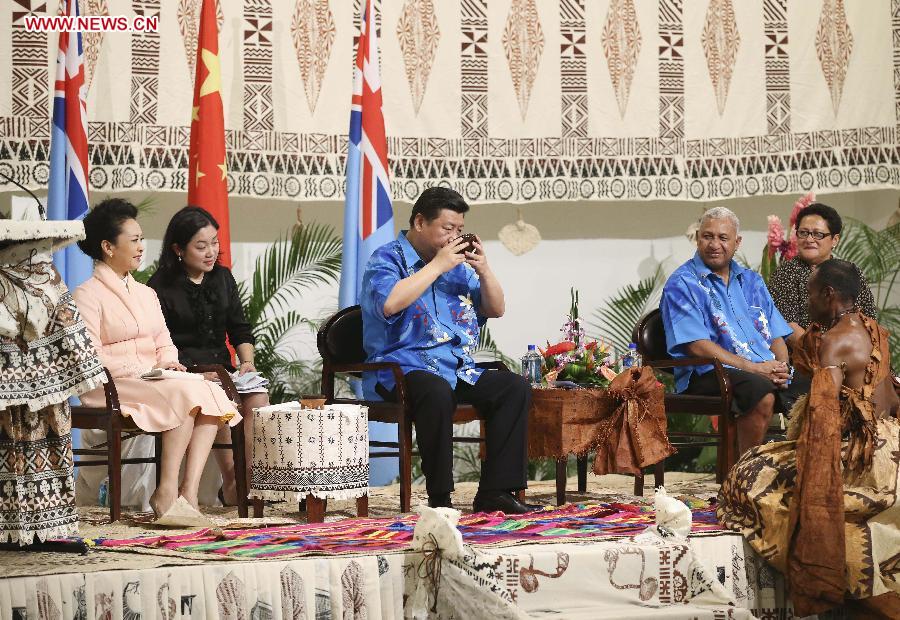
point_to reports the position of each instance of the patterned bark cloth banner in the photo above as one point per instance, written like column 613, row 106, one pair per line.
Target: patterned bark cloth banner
column 510, row 101
column 46, row 356
column 353, row 536
column 615, row 578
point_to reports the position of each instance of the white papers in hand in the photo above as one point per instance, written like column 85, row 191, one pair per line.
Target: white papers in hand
column 249, row 382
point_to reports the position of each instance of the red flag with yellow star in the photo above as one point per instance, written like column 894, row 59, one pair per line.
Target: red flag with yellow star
column 207, row 182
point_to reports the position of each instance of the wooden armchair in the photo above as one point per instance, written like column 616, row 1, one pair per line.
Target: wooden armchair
column 650, row 337
column 340, row 343
column 119, row 427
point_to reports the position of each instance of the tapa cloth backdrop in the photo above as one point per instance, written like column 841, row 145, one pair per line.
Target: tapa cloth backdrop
column 299, row 451
column 507, row 101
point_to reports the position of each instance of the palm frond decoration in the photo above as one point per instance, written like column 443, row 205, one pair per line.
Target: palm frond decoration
column 305, row 260
column 487, row 348
column 271, row 332
column 614, row 321
column 310, row 257
column 146, row 205
column 743, row 261
column 143, row 275
column 299, row 377
column 889, row 318
column 877, row 254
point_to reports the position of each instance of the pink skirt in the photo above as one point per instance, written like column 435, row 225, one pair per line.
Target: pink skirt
column 162, row 405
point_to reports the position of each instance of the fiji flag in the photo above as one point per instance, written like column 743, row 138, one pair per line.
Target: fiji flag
column 368, row 216
column 68, row 191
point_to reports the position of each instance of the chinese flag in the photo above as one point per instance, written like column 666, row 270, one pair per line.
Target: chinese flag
column 207, row 178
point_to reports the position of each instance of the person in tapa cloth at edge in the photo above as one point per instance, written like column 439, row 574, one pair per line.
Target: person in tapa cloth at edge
column 822, row 506
column 126, row 324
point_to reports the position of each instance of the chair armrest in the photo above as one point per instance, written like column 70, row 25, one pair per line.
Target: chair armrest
column 112, row 408
column 112, row 395
column 718, row 368
column 224, row 379
column 394, row 367
column 495, row 365
column 110, row 392
column 682, row 361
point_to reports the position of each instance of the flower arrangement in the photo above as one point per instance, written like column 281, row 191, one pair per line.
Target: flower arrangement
column 576, row 358
column 780, row 247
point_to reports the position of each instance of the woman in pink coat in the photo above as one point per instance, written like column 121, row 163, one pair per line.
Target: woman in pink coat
column 124, row 319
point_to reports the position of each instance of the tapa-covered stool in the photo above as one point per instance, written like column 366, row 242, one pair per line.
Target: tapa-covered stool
column 310, row 453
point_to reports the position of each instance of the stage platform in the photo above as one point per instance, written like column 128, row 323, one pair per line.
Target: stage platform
column 587, row 560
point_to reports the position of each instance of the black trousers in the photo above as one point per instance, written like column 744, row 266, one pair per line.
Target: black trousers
column 502, row 398
column 749, row 388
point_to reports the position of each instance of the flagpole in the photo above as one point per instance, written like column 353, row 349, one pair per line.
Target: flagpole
column 207, row 182
column 368, row 213
column 67, row 190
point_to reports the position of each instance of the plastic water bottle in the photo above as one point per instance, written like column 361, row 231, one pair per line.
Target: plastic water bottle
column 531, row 365
column 631, row 359
column 103, row 493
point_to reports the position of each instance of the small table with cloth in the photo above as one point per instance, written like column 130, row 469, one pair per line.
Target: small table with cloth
column 625, row 424
column 310, row 453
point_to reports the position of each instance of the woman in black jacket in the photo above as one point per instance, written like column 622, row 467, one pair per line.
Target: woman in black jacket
column 200, row 302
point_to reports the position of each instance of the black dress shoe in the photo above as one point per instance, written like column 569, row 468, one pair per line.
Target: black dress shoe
column 501, row 501
column 440, row 501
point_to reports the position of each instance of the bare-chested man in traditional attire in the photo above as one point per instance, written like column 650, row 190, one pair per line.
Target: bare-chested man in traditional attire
column 822, row 507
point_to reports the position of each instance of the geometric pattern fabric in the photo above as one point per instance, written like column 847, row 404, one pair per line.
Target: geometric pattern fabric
column 511, row 101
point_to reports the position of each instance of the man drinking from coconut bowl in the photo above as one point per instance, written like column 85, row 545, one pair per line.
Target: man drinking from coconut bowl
column 424, row 299
column 713, row 307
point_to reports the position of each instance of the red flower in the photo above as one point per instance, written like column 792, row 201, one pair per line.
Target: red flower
column 775, row 236
column 562, row 347
column 802, row 202
column 789, row 248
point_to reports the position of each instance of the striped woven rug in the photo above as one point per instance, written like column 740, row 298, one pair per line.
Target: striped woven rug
column 374, row 536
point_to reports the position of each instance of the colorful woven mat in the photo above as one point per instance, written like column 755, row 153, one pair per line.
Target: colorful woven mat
column 373, row 536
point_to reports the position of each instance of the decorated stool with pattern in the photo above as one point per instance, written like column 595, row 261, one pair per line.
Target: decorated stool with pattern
column 311, row 454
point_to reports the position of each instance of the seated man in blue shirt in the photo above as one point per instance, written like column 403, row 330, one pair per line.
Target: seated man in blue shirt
column 423, row 301
column 713, row 307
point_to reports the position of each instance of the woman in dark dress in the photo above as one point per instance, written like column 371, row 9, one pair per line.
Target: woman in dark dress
column 201, row 305
column 818, row 229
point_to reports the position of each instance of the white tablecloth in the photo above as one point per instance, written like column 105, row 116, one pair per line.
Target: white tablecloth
column 298, row 451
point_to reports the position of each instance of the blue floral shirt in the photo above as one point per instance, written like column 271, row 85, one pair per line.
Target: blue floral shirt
column 437, row 333
column 740, row 317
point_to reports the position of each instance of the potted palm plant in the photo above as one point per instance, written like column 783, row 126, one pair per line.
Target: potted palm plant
column 877, row 253
column 308, row 258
